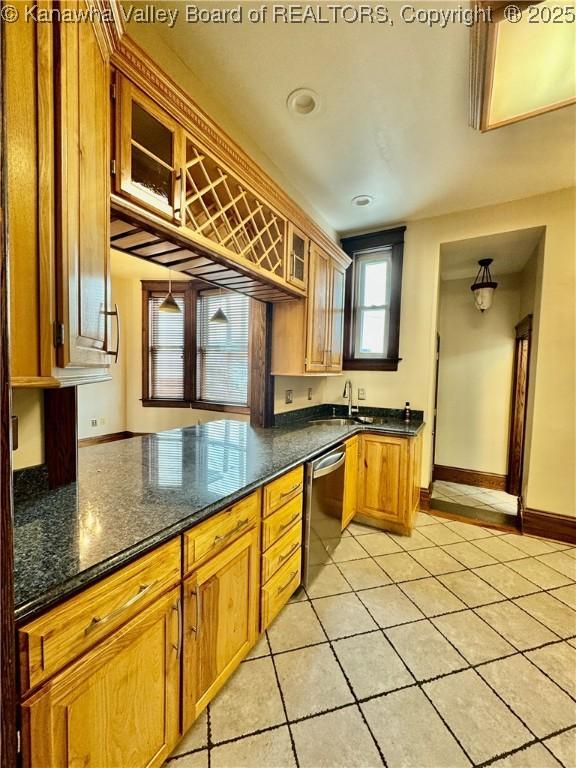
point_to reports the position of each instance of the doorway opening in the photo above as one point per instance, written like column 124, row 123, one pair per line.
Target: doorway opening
column 484, row 358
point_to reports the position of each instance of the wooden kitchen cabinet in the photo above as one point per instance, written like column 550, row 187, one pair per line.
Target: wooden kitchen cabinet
column 118, row 705
column 149, row 158
column 308, row 335
column 221, row 606
column 350, row 502
column 297, row 248
column 389, row 477
column 57, row 132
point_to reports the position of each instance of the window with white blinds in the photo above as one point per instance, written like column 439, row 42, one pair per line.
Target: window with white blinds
column 222, row 348
column 165, row 350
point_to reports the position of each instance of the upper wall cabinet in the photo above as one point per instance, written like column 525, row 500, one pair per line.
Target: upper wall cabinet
column 162, row 167
column 148, row 152
column 307, row 335
column 58, row 214
column 298, row 246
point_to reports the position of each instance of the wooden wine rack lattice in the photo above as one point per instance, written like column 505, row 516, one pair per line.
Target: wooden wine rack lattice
column 217, row 206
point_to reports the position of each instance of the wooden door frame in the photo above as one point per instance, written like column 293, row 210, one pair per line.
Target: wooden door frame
column 8, row 693
column 518, row 409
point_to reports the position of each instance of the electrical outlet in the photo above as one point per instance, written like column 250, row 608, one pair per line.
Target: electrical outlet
column 289, row 396
column 102, row 421
column 361, row 394
column 93, row 422
column 309, row 393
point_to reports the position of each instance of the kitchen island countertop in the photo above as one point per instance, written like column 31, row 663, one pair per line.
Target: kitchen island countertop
column 132, row 495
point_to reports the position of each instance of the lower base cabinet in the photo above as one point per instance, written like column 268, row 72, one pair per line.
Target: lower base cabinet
column 389, row 481
column 220, row 621
column 118, row 705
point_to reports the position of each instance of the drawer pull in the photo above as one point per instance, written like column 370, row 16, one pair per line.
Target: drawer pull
column 291, row 490
column 290, row 552
column 231, row 532
column 289, row 523
column 285, row 586
column 98, row 621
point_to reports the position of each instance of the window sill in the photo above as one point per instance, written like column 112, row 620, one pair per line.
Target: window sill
column 376, row 364
column 198, row 405
column 202, row 406
column 165, row 403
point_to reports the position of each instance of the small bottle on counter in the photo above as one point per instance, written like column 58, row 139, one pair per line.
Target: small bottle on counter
column 407, row 412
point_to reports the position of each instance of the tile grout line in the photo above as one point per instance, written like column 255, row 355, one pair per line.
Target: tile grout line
column 281, row 692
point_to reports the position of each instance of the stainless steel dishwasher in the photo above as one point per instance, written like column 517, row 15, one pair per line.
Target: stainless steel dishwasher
column 324, row 496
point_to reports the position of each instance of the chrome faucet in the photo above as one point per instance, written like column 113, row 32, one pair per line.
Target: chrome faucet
column 352, row 409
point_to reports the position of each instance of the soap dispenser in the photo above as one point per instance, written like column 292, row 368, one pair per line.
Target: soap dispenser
column 407, row 412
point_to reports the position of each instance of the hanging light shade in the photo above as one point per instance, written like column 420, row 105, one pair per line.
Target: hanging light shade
column 483, row 286
column 169, row 304
column 219, row 316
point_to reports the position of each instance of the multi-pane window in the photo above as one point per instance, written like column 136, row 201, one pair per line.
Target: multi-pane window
column 189, row 358
column 372, row 307
column 222, row 348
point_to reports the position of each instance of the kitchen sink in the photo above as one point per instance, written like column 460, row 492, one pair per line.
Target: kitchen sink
column 334, row 422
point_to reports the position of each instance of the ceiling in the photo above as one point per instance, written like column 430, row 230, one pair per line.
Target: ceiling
column 393, row 121
column 510, row 251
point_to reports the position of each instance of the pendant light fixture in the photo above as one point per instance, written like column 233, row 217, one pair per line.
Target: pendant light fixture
column 219, row 316
column 169, row 304
column 483, row 286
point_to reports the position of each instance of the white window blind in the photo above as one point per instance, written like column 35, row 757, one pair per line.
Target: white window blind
column 222, row 349
column 165, row 350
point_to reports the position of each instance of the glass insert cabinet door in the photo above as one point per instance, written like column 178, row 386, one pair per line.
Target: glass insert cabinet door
column 149, row 155
column 297, row 257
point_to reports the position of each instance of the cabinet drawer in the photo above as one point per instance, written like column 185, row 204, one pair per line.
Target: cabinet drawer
column 54, row 640
column 279, row 552
column 210, row 537
column 282, row 490
column 280, row 588
column 277, row 524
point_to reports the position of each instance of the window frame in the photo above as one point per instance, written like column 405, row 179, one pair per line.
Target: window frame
column 358, row 247
column 189, row 290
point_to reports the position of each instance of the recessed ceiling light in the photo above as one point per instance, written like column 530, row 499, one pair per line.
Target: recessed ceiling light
column 363, row 200
column 303, row 102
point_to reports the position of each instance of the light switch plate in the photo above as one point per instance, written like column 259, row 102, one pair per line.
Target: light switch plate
column 361, row 394
column 289, row 396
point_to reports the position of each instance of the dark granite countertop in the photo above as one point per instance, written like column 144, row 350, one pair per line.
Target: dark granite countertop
column 134, row 494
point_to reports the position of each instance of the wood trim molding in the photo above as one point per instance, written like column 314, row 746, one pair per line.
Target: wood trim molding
column 61, row 435
column 549, row 525
column 469, row 477
column 132, row 60
column 425, row 497
column 84, row 442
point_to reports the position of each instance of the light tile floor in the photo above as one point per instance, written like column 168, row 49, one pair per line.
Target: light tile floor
column 459, row 652
column 472, row 496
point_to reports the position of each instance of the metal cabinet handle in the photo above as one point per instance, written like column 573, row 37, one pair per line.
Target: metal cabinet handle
column 291, row 490
column 98, row 621
column 240, row 524
column 114, row 313
column 285, row 586
column 179, row 181
column 196, row 594
column 289, row 523
column 178, row 646
column 290, row 552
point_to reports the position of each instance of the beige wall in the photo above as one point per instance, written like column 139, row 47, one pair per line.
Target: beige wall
column 475, row 376
column 299, row 386
column 27, row 404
